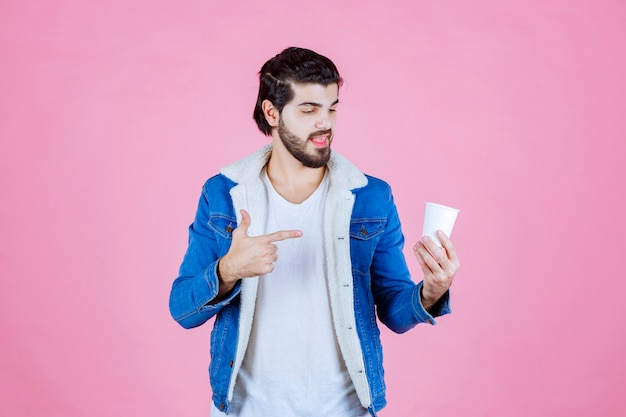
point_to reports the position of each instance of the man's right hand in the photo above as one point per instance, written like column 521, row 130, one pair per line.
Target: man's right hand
column 250, row 256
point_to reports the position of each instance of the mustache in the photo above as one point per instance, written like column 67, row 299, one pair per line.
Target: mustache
column 328, row 132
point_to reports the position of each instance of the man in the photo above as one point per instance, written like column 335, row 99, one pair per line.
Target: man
column 291, row 250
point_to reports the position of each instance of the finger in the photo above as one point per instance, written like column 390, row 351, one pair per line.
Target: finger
column 267, row 269
column 425, row 258
column 269, row 250
column 282, row 235
column 420, row 258
column 435, row 251
column 448, row 246
column 446, row 266
column 272, row 249
column 244, row 224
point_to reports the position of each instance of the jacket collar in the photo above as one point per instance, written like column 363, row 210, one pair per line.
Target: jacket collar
column 341, row 171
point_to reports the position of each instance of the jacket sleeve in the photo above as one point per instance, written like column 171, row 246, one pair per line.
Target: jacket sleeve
column 396, row 296
column 197, row 283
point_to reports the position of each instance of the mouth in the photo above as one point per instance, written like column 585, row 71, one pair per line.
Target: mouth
column 320, row 139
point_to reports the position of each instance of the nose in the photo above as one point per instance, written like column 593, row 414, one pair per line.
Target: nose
column 323, row 123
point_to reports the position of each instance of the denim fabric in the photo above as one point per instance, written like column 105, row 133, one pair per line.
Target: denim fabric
column 379, row 274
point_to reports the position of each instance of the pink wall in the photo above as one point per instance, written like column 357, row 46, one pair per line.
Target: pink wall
column 113, row 113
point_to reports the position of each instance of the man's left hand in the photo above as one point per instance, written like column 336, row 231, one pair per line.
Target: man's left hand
column 439, row 266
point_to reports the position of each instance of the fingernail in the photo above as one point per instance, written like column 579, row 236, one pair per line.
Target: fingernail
column 425, row 239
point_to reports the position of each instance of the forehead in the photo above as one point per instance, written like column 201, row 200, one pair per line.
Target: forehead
column 314, row 93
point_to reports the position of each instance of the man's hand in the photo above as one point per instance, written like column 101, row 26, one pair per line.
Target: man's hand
column 250, row 256
column 439, row 266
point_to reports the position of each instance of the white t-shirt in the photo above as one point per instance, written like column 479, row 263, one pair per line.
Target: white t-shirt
column 293, row 366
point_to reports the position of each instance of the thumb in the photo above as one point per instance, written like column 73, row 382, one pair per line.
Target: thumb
column 242, row 228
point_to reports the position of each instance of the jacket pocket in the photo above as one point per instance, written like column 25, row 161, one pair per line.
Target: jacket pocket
column 366, row 229
column 364, row 236
column 222, row 225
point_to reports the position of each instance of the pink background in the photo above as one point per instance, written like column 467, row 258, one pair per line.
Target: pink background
column 113, row 113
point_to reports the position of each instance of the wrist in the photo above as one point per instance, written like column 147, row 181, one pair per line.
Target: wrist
column 222, row 272
column 224, row 287
column 428, row 300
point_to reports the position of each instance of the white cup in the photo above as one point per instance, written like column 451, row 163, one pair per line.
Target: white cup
column 438, row 217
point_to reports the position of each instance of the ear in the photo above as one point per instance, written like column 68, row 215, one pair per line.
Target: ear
column 271, row 113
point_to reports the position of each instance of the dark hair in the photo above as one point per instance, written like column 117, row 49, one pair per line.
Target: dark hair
column 293, row 65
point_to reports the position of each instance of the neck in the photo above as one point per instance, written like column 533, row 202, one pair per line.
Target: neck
column 292, row 180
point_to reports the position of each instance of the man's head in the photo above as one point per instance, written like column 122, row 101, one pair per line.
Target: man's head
column 279, row 74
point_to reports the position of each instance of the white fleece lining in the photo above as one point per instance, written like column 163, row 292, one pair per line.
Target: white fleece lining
column 341, row 293
column 248, row 285
column 249, row 194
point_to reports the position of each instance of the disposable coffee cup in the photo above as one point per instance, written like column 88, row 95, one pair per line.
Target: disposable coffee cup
column 438, row 217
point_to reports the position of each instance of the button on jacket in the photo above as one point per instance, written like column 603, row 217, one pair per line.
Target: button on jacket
column 365, row 268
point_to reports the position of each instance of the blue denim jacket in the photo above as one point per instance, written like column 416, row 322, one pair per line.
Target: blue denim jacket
column 366, row 268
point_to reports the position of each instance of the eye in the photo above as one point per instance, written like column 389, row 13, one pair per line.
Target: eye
column 332, row 110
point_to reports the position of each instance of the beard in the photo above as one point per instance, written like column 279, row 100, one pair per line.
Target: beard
column 315, row 158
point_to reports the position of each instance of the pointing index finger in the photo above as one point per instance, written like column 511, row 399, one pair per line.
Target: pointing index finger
column 282, row 235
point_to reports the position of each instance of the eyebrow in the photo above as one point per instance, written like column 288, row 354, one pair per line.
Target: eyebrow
column 312, row 104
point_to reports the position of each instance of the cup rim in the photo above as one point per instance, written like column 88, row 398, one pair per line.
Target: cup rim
column 443, row 206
